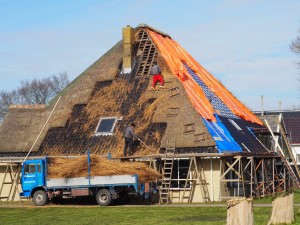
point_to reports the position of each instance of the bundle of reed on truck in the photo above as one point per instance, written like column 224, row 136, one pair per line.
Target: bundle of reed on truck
column 99, row 166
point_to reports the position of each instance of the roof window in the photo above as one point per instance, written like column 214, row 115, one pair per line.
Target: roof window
column 106, row 126
column 235, row 125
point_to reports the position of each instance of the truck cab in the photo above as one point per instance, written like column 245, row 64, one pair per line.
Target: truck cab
column 33, row 176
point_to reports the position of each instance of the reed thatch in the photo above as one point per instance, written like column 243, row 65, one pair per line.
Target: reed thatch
column 117, row 98
column 78, row 167
column 101, row 91
column 21, row 126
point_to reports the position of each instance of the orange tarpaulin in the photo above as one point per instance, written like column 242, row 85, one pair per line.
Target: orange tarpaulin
column 194, row 92
column 176, row 57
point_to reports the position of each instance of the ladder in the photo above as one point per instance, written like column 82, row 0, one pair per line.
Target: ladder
column 164, row 194
column 194, row 176
column 283, row 158
column 289, row 148
column 145, row 45
column 290, row 169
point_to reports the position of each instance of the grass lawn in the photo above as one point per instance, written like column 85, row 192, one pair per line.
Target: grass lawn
column 123, row 215
column 14, row 213
column 268, row 200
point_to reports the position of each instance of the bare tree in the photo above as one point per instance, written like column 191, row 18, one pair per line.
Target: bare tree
column 36, row 91
column 33, row 92
column 58, row 83
column 295, row 45
column 7, row 99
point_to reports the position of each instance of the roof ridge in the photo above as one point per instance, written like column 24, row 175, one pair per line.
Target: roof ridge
column 143, row 25
column 33, row 106
column 277, row 111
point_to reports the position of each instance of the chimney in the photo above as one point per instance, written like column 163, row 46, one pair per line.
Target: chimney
column 128, row 41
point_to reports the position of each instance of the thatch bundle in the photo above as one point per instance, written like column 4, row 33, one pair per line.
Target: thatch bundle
column 78, row 167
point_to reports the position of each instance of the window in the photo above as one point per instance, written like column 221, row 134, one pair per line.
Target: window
column 29, row 168
column 39, row 167
column 179, row 174
column 298, row 158
column 235, row 125
column 106, row 126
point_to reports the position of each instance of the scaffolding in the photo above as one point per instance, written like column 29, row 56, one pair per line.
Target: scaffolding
column 10, row 180
column 251, row 177
column 239, row 175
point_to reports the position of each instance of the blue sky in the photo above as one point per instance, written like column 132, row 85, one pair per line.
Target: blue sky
column 243, row 43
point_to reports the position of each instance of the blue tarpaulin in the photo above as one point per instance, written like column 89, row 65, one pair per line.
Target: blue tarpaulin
column 221, row 135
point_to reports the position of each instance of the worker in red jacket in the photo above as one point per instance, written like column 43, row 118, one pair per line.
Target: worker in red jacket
column 156, row 75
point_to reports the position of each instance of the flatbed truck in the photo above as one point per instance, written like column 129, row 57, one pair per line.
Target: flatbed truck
column 37, row 185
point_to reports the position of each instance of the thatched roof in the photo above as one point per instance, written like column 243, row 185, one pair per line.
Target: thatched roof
column 162, row 117
column 21, row 126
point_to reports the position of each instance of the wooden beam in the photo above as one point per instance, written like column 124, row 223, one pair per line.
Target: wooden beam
column 230, row 167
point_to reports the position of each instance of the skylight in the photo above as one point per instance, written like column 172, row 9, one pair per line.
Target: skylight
column 235, row 125
column 106, row 126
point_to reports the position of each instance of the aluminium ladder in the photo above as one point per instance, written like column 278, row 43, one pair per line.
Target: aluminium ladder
column 283, row 158
column 289, row 148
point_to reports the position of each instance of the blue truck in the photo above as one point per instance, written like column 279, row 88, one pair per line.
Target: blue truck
column 37, row 185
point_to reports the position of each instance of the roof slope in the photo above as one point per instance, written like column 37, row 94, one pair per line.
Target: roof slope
column 194, row 110
column 21, row 126
column 292, row 125
column 181, row 63
column 291, row 122
column 211, row 99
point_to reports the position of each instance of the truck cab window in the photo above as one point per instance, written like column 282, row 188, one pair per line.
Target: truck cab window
column 29, row 168
column 39, row 167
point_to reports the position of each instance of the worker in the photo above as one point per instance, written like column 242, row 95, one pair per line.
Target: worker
column 129, row 137
column 156, row 76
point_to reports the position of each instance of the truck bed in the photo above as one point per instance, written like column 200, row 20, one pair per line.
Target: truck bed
column 115, row 180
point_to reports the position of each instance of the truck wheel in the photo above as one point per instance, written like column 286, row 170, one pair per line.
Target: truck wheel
column 40, row 198
column 103, row 197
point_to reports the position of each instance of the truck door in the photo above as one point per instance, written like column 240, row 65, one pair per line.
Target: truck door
column 30, row 175
column 39, row 174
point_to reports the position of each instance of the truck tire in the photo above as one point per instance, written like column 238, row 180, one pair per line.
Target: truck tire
column 40, row 198
column 103, row 197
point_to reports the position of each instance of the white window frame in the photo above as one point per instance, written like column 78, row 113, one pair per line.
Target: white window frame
column 298, row 158
column 178, row 180
column 112, row 129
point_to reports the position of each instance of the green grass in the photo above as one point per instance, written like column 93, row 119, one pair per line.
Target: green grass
column 123, row 215
column 15, row 213
column 268, row 200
